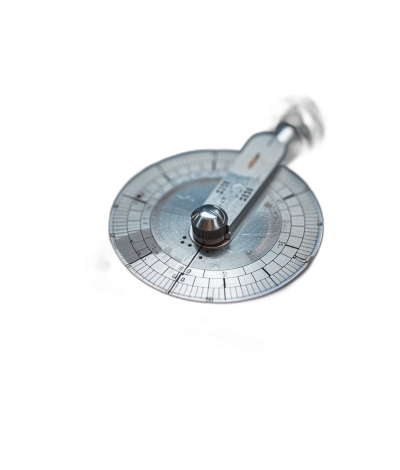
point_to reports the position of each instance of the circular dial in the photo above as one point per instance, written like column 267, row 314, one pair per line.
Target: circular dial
column 275, row 241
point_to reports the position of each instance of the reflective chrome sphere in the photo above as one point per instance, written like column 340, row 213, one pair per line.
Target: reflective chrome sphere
column 209, row 224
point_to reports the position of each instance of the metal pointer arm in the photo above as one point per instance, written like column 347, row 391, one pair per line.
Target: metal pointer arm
column 218, row 217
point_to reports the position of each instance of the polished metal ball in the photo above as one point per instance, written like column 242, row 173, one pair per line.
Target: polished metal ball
column 209, row 224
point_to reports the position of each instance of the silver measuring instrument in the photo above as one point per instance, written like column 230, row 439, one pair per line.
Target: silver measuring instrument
column 223, row 225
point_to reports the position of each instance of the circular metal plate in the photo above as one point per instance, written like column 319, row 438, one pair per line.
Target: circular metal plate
column 150, row 222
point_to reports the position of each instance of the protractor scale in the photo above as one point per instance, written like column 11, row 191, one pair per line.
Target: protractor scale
column 223, row 225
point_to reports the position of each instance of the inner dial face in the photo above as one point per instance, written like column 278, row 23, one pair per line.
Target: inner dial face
column 150, row 221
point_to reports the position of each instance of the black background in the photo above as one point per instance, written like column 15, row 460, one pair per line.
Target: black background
column 133, row 111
